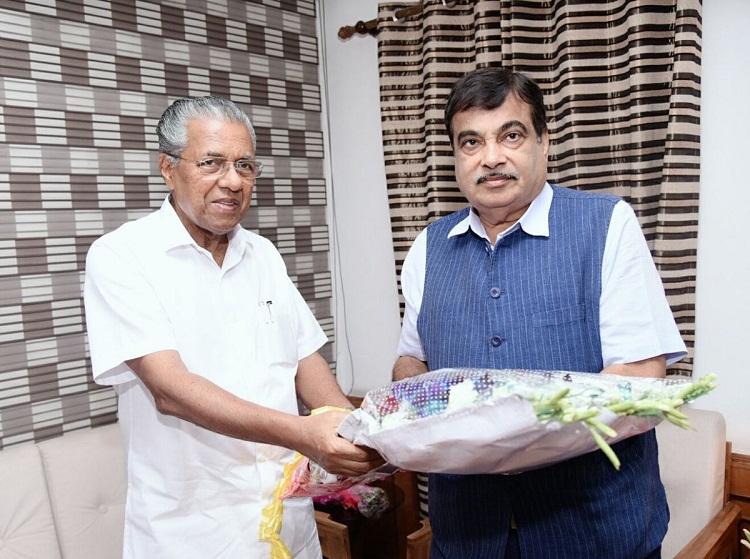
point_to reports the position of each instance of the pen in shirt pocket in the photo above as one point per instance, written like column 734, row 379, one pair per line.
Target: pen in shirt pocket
column 269, row 309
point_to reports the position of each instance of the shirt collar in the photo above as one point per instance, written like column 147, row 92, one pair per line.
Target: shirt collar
column 534, row 221
column 175, row 235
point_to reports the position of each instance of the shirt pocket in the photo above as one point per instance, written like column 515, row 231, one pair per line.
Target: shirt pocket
column 271, row 381
column 564, row 315
column 276, row 334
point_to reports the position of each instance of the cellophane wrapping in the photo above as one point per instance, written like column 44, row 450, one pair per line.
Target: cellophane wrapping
column 481, row 421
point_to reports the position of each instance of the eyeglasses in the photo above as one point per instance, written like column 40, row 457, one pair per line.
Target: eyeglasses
column 218, row 166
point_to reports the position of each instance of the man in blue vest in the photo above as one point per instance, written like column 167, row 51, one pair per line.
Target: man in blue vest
column 536, row 276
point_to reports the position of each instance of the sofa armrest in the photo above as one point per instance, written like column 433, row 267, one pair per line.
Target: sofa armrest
column 334, row 537
column 719, row 539
column 418, row 542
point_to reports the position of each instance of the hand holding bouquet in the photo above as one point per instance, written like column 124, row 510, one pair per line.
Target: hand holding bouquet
column 467, row 421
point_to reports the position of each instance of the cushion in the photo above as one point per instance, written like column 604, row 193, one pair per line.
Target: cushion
column 87, row 480
column 692, row 470
column 27, row 530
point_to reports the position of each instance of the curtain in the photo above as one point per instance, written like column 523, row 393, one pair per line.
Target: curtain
column 82, row 85
column 621, row 81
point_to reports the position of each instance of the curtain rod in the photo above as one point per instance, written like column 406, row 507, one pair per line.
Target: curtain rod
column 370, row 27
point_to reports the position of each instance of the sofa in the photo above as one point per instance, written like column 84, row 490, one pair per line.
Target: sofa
column 65, row 497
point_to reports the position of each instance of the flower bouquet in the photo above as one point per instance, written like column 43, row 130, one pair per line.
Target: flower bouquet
column 466, row 421
column 364, row 499
column 308, row 479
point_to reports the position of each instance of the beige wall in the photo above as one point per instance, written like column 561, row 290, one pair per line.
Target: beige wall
column 366, row 308
column 722, row 294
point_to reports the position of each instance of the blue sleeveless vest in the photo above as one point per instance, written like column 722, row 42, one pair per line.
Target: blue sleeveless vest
column 533, row 303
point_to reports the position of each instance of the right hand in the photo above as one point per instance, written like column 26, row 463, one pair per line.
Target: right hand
column 321, row 444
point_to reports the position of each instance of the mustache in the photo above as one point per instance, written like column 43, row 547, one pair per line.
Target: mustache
column 503, row 176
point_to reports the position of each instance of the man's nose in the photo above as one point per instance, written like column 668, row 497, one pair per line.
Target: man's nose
column 231, row 179
column 493, row 155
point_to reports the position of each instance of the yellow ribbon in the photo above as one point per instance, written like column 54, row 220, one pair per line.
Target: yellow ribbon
column 272, row 514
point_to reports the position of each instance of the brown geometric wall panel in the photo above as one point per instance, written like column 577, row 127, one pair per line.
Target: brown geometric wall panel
column 82, row 85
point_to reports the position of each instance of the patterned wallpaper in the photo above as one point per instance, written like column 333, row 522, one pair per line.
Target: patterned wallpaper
column 82, row 85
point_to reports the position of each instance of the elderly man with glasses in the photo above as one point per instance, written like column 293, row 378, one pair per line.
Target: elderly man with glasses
column 207, row 342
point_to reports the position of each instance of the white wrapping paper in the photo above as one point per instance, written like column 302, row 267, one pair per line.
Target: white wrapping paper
column 439, row 428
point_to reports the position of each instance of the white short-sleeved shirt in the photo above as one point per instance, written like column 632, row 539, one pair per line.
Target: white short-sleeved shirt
column 635, row 321
column 149, row 287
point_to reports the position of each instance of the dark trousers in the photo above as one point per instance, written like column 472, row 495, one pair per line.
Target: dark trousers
column 513, row 549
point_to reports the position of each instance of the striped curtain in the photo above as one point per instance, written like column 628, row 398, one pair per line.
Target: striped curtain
column 82, row 85
column 621, row 81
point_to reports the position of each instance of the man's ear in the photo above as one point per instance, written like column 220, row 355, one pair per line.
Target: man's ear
column 545, row 142
column 167, row 169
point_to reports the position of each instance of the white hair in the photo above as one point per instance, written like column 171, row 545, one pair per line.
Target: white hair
column 172, row 127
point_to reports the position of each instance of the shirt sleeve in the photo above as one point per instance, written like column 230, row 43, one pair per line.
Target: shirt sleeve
column 310, row 336
column 635, row 319
column 412, row 287
column 124, row 317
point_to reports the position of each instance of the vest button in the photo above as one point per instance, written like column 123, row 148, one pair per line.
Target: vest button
column 495, row 341
column 495, row 292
